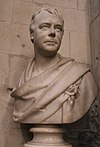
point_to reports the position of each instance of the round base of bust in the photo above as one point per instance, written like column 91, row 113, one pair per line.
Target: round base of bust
column 47, row 136
column 47, row 145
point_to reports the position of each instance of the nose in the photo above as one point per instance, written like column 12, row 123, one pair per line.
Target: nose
column 52, row 32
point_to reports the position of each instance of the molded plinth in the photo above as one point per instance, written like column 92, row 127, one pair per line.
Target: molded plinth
column 47, row 136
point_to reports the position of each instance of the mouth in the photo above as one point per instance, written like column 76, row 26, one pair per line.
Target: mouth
column 52, row 42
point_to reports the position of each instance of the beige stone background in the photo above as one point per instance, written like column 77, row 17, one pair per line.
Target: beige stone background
column 81, row 41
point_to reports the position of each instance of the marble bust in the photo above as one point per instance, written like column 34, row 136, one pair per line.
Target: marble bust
column 52, row 89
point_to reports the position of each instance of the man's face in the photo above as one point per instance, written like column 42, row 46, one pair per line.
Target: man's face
column 47, row 33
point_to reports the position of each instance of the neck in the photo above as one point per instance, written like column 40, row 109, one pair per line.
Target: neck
column 43, row 63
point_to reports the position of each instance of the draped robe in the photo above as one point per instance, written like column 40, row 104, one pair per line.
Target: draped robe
column 61, row 94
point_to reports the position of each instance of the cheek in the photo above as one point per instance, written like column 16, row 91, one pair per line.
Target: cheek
column 40, row 36
column 59, row 37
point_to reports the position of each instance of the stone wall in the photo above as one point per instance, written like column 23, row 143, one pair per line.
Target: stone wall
column 95, row 50
column 16, row 48
column 95, row 34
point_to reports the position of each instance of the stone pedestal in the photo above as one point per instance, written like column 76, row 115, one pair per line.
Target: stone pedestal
column 48, row 136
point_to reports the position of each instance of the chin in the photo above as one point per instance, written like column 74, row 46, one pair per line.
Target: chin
column 50, row 53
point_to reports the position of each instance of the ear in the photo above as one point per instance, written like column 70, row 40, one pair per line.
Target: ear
column 32, row 35
column 62, row 33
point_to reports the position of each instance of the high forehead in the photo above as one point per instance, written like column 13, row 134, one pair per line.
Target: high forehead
column 46, row 14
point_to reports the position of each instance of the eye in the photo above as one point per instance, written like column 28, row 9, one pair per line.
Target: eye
column 59, row 28
column 44, row 26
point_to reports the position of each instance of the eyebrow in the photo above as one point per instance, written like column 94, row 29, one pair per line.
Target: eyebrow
column 48, row 23
column 45, row 23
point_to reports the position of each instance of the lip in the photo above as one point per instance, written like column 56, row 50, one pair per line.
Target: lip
column 51, row 42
